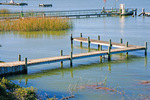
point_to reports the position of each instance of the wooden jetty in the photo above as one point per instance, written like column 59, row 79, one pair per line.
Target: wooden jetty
column 17, row 4
column 144, row 13
column 69, row 13
column 21, row 66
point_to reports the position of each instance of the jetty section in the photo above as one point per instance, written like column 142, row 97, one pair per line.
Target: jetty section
column 21, row 66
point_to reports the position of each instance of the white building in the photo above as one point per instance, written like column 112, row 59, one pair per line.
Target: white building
column 12, row 1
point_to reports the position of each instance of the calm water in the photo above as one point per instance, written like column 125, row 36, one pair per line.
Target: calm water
column 121, row 74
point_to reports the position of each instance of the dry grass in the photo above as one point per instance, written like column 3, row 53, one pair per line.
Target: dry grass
column 4, row 11
column 36, row 24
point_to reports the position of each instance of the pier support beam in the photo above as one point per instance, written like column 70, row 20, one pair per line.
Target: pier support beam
column 127, row 52
column 121, row 41
column 81, row 42
column 143, row 11
column 71, row 38
column 19, row 57
column 71, row 59
column 25, row 66
column 110, row 45
column 98, row 44
column 109, row 52
column 145, row 48
column 61, row 54
column 135, row 11
column 88, row 42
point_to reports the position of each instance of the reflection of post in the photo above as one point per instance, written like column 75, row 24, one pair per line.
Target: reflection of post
column 145, row 62
column 101, row 59
column 26, row 81
column 122, row 24
column 71, row 73
column 121, row 41
column 145, row 48
column 109, row 52
column 127, row 47
column 109, row 67
column 62, row 74
column 71, row 59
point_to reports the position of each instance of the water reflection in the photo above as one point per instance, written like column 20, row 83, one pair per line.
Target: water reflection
column 122, row 24
column 63, row 71
column 37, row 34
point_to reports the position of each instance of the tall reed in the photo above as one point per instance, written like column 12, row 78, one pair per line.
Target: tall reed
column 36, row 24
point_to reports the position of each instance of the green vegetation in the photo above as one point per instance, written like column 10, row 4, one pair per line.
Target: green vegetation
column 36, row 24
column 11, row 91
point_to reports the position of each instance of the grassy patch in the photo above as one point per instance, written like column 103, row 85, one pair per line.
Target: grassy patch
column 36, row 24
column 11, row 91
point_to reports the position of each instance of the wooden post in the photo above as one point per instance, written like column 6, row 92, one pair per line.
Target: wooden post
column 71, row 59
column 25, row 68
column 121, row 41
column 19, row 57
column 143, row 11
column 110, row 43
column 88, row 42
column 109, row 48
column 61, row 54
column 71, row 38
column 98, row 44
column 126, row 46
column 145, row 48
column 81, row 37
column 135, row 11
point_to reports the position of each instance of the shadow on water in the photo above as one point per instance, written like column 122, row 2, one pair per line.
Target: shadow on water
column 37, row 34
column 62, row 71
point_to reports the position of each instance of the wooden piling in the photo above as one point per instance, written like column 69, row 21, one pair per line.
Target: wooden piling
column 143, row 11
column 145, row 48
column 71, row 59
column 61, row 54
column 110, row 43
column 71, row 38
column 135, row 11
column 121, row 41
column 88, row 42
column 126, row 46
column 109, row 48
column 19, row 57
column 98, row 44
column 81, row 42
column 25, row 64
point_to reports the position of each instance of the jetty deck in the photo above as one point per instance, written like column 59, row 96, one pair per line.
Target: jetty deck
column 17, row 66
column 106, row 43
column 66, row 13
column 67, row 57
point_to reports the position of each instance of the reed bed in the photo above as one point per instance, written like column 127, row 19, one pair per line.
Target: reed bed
column 4, row 13
column 36, row 24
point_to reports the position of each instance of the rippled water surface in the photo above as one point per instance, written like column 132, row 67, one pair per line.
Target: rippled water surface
column 121, row 75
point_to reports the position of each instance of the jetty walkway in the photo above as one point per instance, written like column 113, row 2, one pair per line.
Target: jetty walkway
column 21, row 66
column 65, row 13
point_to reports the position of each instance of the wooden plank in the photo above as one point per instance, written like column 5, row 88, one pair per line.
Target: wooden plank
column 100, row 42
column 67, row 57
